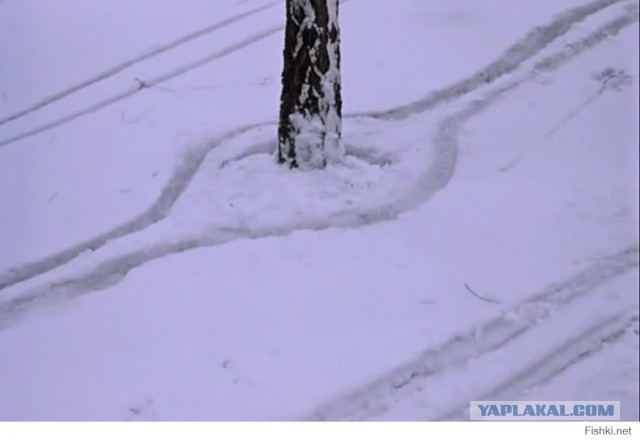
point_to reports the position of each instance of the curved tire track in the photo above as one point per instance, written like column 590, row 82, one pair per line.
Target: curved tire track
column 133, row 61
column 371, row 400
column 436, row 177
column 536, row 40
column 176, row 185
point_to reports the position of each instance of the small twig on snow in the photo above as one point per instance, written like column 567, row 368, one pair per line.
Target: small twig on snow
column 489, row 300
column 141, row 84
column 511, row 164
column 618, row 76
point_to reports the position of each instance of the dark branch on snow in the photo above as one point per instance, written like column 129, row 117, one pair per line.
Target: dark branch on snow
column 480, row 297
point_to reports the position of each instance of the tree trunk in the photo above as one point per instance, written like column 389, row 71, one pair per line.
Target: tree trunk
column 310, row 127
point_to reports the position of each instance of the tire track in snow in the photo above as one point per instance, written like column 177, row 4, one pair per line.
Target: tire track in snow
column 536, row 40
column 149, row 83
column 589, row 343
column 436, row 177
column 371, row 399
column 446, row 140
column 55, row 97
column 107, row 273
column 134, row 90
column 159, row 209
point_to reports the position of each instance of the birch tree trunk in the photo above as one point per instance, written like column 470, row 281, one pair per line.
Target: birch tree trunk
column 310, row 127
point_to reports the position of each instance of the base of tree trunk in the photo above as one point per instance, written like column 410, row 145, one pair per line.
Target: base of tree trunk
column 310, row 127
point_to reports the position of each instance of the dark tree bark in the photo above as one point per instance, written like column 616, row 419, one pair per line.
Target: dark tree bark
column 310, row 127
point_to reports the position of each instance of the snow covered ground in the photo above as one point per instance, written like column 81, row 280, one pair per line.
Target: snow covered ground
column 479, row 242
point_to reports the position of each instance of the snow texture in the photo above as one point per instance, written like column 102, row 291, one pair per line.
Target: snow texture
column 477, row 240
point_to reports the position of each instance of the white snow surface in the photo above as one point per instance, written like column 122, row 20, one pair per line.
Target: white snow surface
column 156, row 264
